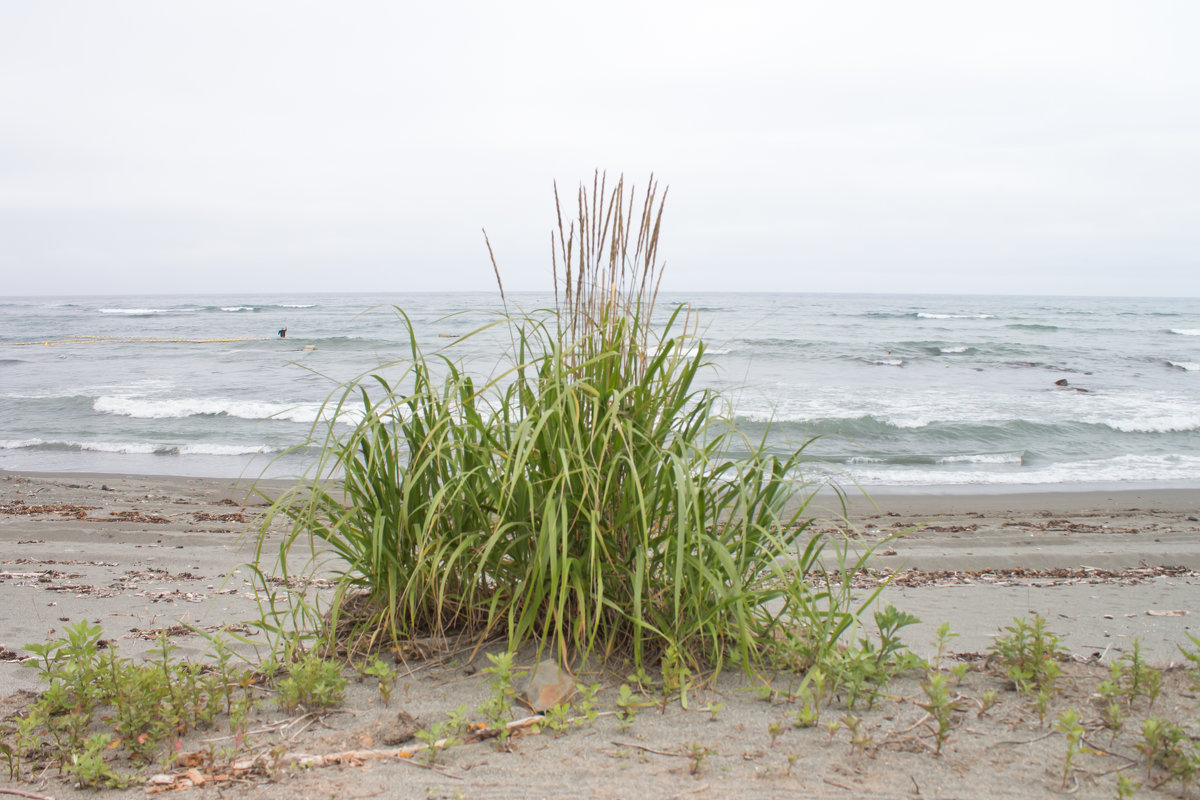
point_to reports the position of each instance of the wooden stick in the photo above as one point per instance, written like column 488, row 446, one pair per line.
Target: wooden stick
column 19, row 793
column 650, row 749
column 348, row 757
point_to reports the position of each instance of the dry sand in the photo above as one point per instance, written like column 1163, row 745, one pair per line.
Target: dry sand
column 142, row 554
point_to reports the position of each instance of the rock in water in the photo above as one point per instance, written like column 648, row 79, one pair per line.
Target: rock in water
column 549, row 685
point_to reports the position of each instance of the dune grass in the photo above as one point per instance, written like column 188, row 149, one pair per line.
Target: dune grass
column 584, row 498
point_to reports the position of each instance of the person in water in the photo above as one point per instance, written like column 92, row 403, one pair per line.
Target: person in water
column 283, row 333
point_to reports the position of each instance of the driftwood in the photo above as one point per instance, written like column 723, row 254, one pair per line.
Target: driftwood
column 189, row 776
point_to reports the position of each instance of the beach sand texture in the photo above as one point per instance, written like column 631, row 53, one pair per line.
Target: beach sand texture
column 142, row 554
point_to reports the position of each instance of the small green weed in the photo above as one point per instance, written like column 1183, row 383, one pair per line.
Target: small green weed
column 627, row 704
column 143, row 704
column 1069, row 725
column 986, row 701
column 437, row 739
column 1192, row 654
column 940, row 706
column 311, row 682
column 1168, row 748
column 1132, row 679
column 497, row 709
column 941, row 644
column 1124, row 788
column 697, row 753
column 1029, row 655
column 89, row 768
column 384, row 674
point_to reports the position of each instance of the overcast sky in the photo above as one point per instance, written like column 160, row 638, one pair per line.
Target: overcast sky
column 1015, row 147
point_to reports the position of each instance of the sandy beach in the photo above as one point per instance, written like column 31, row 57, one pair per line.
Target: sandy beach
column 139, row 555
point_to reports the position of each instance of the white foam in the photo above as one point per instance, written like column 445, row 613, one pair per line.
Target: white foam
column 20, row 444
column 139, row 448
column 1186, row 331
column 887, row 362
column 930, row 315
column 150, row 408
column 297, row 305
column 147, row 408
column 140, row 312
column 984, row 458
column 223, row 450
column 1166, row 423
column 1121, row 469
column 237, row 308
column 115, row 447
column 1187, row 366
column 947, row 350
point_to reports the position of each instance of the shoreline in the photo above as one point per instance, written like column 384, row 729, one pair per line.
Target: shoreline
column 1063, row 496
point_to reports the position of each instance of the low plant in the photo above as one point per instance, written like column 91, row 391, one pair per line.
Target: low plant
column 145, row 705
column 986, row 701
column 1169, row 750
column 860, row 739
column 940, row 706
column 627, row 705
column 860, row 672
column 586, row 705
column 385, row 676
column 497, row 709
column 437, row 739
column 310, row 682
column 1069, row 725
column 676, row 677
column 1124, row 787
column 697, row 753
column 1192, row 654
column 89, row 767
column 812, row 696
column 941, row 645
column 1132, row 679
column 1029, row 656
column 1112, row 716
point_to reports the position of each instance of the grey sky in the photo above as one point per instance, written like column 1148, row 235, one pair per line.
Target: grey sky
column 1016, row 147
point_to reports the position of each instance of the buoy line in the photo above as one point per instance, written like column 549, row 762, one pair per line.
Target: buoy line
column 129, row 340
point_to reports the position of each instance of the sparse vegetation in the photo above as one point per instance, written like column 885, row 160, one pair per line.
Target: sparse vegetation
column 1029, row 656
column 142, row 706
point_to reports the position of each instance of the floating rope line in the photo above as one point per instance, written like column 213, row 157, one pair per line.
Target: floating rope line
column 129, row 340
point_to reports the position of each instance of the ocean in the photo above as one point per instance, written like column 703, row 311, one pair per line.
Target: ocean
column 890, row 392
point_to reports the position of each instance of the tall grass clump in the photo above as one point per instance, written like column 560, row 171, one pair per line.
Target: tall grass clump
column 585, row 498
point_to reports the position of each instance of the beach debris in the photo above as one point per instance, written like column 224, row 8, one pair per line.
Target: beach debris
column 1154, row 612
column 78, row 512
column 271, row 761
column 549, row 685
column 204, row 516
column 1015, row 576
column 65, row 509
column 185, row 630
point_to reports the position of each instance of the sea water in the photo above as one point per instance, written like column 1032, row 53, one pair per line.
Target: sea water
column 899, row 391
